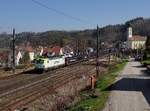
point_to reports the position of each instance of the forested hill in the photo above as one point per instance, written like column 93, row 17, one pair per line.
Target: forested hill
column 110, row 33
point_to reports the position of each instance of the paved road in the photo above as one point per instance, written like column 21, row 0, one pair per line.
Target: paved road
column 131, row 91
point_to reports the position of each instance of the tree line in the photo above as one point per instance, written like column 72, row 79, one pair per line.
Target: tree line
column 108, row 34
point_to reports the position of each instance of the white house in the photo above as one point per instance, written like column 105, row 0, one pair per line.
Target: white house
column 18, row 57
column 31, row 53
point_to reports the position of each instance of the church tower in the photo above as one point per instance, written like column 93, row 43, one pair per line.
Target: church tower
column 129, row 36
column 129, row 32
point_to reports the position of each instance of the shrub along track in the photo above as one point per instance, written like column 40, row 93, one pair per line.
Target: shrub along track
column 22, row 89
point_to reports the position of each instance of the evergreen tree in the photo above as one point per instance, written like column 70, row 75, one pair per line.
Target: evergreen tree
column 148, row 44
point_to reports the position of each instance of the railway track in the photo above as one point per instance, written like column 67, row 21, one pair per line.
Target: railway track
column 32, row 71
column 24, row 79
column 25, row 94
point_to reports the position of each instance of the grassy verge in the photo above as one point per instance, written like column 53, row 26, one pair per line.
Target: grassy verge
column 146, row 61
column 89, row 103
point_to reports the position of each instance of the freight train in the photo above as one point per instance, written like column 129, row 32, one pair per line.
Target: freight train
column 45, row 63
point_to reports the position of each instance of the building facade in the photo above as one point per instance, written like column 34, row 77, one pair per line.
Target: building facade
column 135, row 41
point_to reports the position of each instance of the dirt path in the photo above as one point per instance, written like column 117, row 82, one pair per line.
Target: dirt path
column 131, row 91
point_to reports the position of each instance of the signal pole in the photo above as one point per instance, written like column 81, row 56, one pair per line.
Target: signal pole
column 13, row 48
column 97, row 53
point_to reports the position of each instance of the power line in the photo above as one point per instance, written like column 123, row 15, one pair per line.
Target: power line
column 7, row 27
column 58, row 12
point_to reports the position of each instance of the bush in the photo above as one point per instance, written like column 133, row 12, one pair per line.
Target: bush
column 25, row 59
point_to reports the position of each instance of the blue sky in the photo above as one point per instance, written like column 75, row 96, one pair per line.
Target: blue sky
column 25, row 15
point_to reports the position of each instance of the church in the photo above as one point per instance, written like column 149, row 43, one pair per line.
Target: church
column 135, row 41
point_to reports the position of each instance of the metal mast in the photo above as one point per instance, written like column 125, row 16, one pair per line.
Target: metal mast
column 13, row 49
column 97, row 53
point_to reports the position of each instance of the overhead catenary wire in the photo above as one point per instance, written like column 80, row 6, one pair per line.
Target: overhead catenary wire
column 59, row 12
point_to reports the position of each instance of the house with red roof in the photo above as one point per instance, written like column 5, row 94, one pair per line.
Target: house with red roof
column 135, row 41
column 53, row 51
column 56, row 50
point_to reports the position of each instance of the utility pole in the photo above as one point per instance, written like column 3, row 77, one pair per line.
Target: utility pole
column 97, row 53
column 13, row 48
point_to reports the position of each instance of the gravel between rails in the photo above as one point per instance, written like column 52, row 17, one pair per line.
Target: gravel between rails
column 9, row 98
column 24, row 79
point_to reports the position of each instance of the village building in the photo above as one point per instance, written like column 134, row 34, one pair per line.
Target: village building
column 4, row 57
column 26, row 48
column 18, row 57
column 38, row 51
column 31, row 53
column 56, row 50
column 135, row 41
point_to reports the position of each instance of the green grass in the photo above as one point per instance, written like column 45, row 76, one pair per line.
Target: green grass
column 89, row 103
column 148, row 55
column 147, row 61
